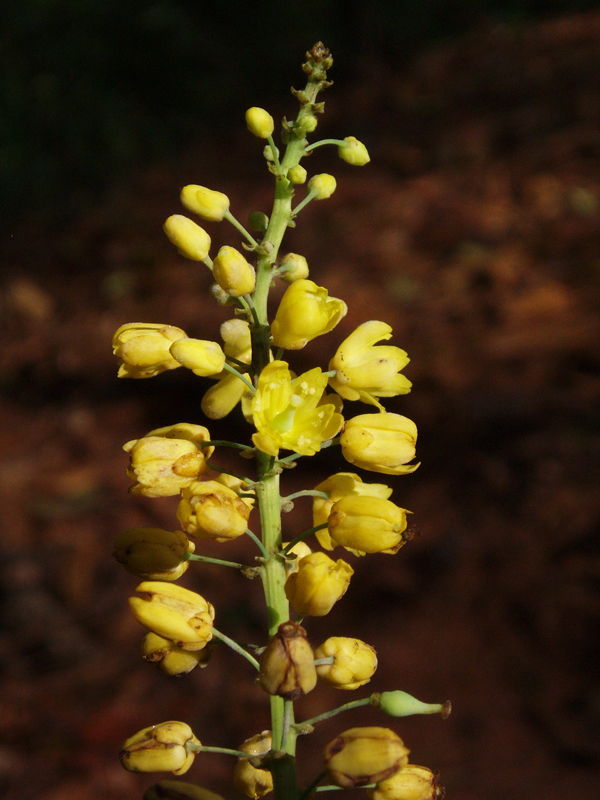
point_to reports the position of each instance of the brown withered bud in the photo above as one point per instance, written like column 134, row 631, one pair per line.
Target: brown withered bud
column 287, row 666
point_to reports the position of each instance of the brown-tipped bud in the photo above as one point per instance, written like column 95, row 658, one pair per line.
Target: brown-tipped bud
column 179, row 790
column 287, row 667
column 160, row 748
column 170, row 658
column 364, row 755
column 409, row 783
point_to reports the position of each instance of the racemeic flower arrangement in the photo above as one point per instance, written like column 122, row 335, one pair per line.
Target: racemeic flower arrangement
column 296, row 414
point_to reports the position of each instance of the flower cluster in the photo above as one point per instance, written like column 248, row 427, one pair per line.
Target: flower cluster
column 296, row 414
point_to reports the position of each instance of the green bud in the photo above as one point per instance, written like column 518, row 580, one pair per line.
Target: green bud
column 258, row 221
column 401, row 704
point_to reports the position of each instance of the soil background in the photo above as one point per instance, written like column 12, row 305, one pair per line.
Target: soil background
column 474, row 232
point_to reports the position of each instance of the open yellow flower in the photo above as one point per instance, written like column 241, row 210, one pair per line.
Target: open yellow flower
column 286, row 411
column 305, row 312
column 365, row 371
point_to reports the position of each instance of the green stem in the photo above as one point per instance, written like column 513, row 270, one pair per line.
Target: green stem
column 334, row 711
column 201, row 748
column 230, row 218
column 239, row 375
column 235, row 646
column 310, row 196
column 305, row 493
column 192, row 557
column 302, row 537
column 258, row 542
column 339, row 142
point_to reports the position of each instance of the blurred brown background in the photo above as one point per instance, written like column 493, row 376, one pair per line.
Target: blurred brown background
column 475, row 233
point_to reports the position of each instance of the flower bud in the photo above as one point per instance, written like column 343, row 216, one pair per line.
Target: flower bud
column 323, row 186
column 401, row 704
column 159, row 748
column 222, row 297
column 211, row 510
column 380, row 443
column 409, row 783
column 367, row 525
column 220, row 399
column 174, row 613
column 297, row 174
column 305, row 312
column 309, row 123
column 319, row 583
column 190, row 239
column 233, row 273
column 202, row 357
column 169, row 658
column 152, row 553
column 206, row 203
column 364, row 371
column 354, row 662
column 259, row 122
column 165, row 460
column 293, row 267
column 354, row 152
column 364, row 755
column 337, row 486
column 143, row 348
column 179, row 790
column 253, row 781
column 258, row 221
column 287, row 666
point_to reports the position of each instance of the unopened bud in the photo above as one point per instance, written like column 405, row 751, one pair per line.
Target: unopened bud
column 170, row 658
column 152, row 553
column 401, row 704
column 297, row 174
column 322, row 186
column 354, row 152
column 309, row 123
column 293, row 267
column 232, row 272
column 190, row 239
column 287, row 667
column 364, row 755
column 258, row 221
column 206, row 203
column 202, row 357
column 259, row 122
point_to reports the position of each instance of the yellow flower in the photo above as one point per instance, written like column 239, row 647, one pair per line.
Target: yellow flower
column 190, row 239
column 380, row 443
column 174, row 613
column 232, row 272
column 143, row 348
column 206, row 203
column 259, row 122
column 293, row 267
column 367, row 525
column 322, row 186
column 204, row 358
column 354, row 662
column 342, row 484
column 254, row 781
column 319, row 583
column 354, row 152
column 409, row 783
column 173, row 660
column 211, row 510
column 220, row 399
column 365, row 371
column 305, row 312
column 286, row 412
column 287, row 666
column 152, row 553
column 364, row 755
column 167, row 459
column 159, row 748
